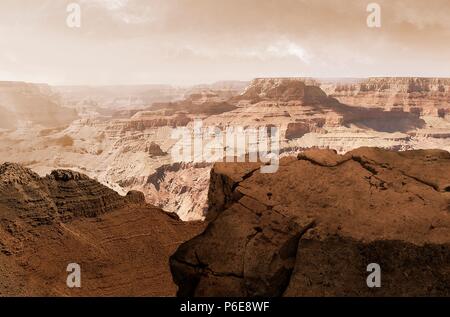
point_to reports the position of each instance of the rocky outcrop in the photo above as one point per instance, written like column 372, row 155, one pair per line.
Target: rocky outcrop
column 155, row 150
column 297, row 130
column 282, row 89
column 121, row 244
column 147, row 120
column 61, row 196
column 257, row 260
column 181, row 188
column 152, row 148
column 312, row 228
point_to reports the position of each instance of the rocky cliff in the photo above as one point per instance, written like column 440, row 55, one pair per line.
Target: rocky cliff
column 424, row 96
column 282, row 89
column 129, row 149
column 121, row 243
column 312, row 228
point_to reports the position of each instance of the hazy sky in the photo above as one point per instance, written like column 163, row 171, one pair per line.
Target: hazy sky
column 201, row 41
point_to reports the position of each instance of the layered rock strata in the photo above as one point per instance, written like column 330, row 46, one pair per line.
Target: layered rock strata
column 121, row 243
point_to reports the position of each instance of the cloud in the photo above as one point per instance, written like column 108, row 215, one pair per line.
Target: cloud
column 286, row 48
column 170, row 41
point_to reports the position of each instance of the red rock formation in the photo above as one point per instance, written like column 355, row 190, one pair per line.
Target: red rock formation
column 121, row 243
column 282, row 89
column 424, row 95
column 299, row 106
column 312, row 228
column 298, row 129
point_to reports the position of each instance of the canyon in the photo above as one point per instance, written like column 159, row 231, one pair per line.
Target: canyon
column 87, row 174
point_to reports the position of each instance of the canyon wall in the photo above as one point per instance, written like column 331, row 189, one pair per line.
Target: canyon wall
column 423, row 96
column 23, row 104
column 127, row 148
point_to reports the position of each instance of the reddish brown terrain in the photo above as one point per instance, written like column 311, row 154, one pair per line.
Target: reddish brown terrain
column 121, row 243
column 309, row 229
column 312, row 228
column 123, row 135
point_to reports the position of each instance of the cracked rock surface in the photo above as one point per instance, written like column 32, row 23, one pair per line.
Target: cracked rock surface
column 121, row 243
column 312, row 228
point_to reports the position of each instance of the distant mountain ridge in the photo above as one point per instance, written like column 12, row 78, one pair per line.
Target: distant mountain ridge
column 121, row 243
